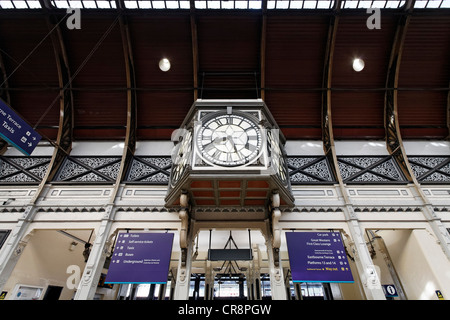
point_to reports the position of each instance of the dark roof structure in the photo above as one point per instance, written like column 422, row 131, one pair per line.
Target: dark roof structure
column 291, row 57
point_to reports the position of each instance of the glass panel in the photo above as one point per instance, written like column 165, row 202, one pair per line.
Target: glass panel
column 20, row 5
column 184, row 5
column 131, row 4
column 253, row 4
column 434, row 4
column 200, row 4
column 4, row 4
column 296, row 4
column 75, row 4
column 241, row 5
column 227, row 4
column 213, row 4
column 162, row 5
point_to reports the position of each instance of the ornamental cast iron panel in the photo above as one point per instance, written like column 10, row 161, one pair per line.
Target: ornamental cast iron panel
column 89, row 169
column 370, row 170
column 309, row 170
column 431, row 169
column 150, row 170
column 27, row 170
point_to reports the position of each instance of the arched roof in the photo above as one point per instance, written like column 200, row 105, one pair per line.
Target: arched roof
column 275, row 54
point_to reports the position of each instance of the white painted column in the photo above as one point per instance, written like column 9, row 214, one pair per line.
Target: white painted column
column 364, row 264
column 94, row 266
column 182, row 283
column 276, row 270
column 15, row 244
column 209, row 281
column 183, row 279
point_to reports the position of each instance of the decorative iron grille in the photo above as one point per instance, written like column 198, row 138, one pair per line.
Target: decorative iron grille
column 150, row 170
column 27, row 170
column 431, row 169
column 89, row 169
column 370, row 170
column 309, row 170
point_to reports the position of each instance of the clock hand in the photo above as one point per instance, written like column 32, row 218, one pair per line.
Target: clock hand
column 212, row 144
column 230, row 138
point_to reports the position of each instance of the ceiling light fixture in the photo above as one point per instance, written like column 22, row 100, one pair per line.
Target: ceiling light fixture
column 358, row 64
column 164, row 64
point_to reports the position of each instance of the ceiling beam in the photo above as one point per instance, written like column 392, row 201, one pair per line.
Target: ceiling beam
column 393, row 137
column 131, row 135
column 4, row 94
column 63, row 144
column 263, row 49
column 448, row 113
column 194, row 39
column 327, row 126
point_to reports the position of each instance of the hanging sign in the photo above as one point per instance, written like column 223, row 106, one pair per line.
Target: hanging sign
column 17, row 131
column 140, row 258
column 318, row 257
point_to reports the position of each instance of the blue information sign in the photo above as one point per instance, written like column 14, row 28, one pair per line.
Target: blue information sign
column 317, row 257
column 390, row 291
column 140, row 258
column 17, row 131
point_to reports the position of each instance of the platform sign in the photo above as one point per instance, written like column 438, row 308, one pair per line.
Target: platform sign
column 140, row 258
column 17, row 131
column 318, row 257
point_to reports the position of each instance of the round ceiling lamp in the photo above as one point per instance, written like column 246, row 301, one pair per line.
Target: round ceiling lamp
column 164, row 64
column 358, row 64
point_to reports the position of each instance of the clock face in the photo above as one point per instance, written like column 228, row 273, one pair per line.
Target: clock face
column 181, row 158
column 229, row 140
column 276, row 156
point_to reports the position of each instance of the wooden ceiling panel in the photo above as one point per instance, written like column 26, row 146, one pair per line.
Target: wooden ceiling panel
column 157, row 37
column 229, row 44
column 358, row 115
column 159, row 113
column 423, row 114
column 425, row 61
column 295, row 50
column 298, row 114
column 374, row 46
column 97, row 67
column 27, row 53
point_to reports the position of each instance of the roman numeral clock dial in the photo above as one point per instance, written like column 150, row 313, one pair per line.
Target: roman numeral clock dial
column 229, row 140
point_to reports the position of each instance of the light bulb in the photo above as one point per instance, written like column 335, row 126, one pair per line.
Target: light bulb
column 164, row 64
column 358, row 64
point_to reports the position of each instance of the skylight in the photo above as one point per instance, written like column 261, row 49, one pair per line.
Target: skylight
column 382, row 4
column 20, row 4
column 156, row 4
column 85, row 4
column 306, row 4
column 230, row 4
column 225, row 4
column 431, row 4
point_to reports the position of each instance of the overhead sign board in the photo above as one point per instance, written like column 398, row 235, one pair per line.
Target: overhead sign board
column 140, row 258
column 17, row 131
column 230, row 254
column 318, row 257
